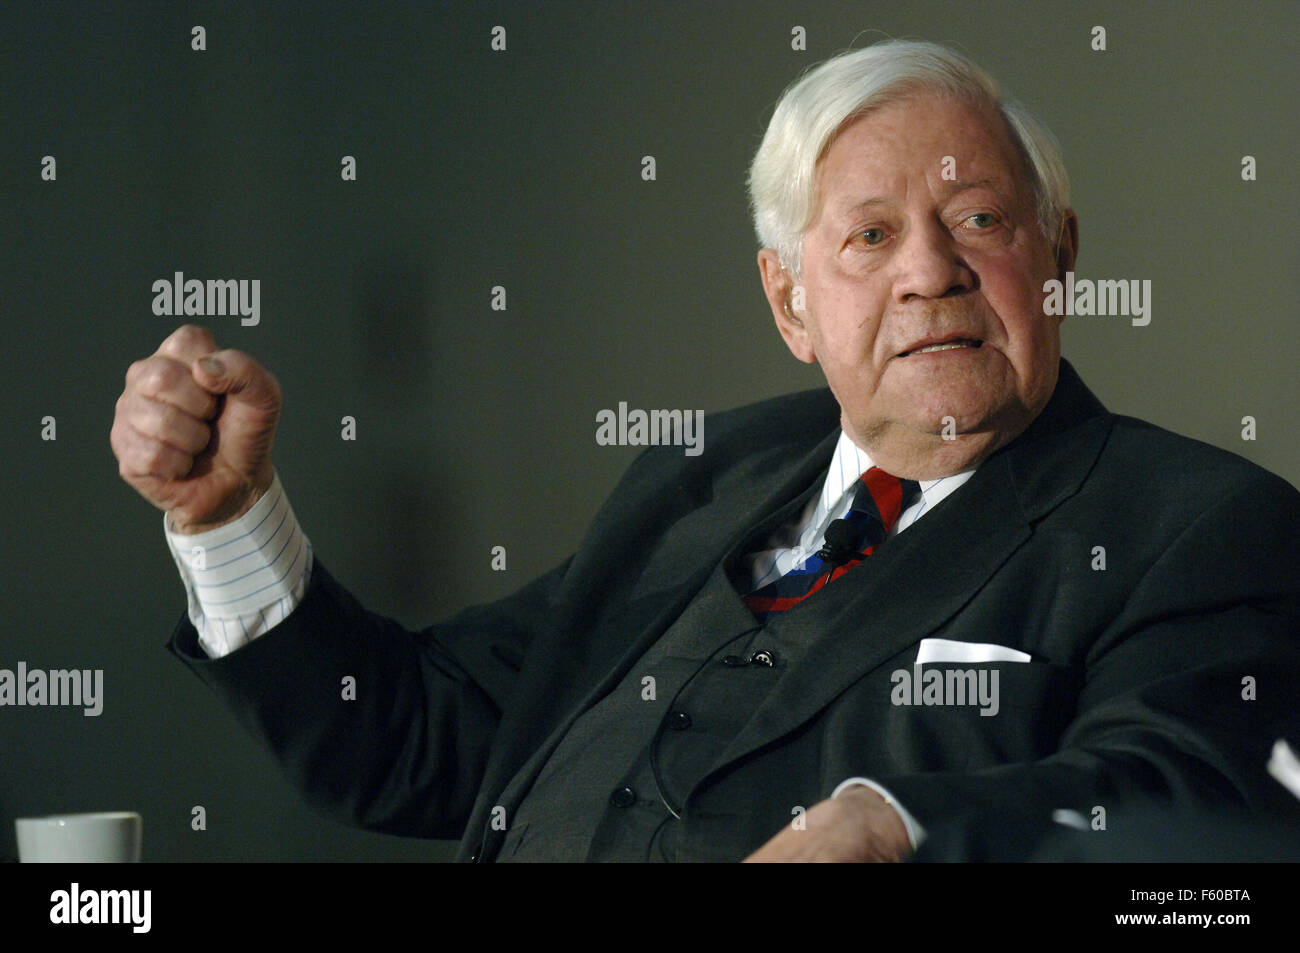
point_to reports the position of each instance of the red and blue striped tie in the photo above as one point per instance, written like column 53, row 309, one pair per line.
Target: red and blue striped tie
column 878, row 502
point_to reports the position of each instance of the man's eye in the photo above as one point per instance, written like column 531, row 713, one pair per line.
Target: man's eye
column 982, row 220
column 872, row 236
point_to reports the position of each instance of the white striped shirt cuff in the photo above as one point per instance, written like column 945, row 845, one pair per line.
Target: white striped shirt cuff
column 243, row 578
column 915, row 832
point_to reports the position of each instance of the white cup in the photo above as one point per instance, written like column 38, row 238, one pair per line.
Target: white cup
column 111, row 837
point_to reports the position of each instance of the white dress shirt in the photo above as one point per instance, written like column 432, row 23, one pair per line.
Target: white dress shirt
column 243, row 578
column 801, row 538
column 790, row 545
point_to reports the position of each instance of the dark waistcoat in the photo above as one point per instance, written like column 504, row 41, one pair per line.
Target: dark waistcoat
column 615, row 786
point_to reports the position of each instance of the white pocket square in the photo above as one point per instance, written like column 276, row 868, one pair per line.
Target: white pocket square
column 946, row 650
column 1285, row 766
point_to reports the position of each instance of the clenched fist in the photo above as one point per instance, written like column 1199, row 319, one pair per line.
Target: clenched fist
column 194, row 428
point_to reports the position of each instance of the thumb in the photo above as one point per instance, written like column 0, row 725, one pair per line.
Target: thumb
column 238, row 375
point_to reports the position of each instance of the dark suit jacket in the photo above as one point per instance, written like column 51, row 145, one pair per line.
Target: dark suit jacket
column 1135, row 688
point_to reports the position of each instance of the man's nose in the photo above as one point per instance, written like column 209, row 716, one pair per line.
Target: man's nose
column 929, row 264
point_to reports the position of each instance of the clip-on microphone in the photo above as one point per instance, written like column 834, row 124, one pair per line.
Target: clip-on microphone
column 838, row 548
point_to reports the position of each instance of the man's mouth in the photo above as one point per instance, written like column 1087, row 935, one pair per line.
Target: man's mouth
column 950, row 344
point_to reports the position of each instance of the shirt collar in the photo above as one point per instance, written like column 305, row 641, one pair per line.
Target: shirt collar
column 849, row 463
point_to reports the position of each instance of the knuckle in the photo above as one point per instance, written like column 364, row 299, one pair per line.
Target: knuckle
column 193, row 334
column 155, row 458
column 157, row 378
column 159, row 424
column 172, row 423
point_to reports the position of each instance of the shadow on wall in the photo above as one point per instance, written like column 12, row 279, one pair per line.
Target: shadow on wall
column 409, row 494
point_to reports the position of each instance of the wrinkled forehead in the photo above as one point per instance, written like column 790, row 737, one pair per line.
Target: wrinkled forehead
column 940, row 136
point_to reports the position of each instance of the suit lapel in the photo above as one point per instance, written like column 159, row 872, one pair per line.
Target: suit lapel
column 923, row 576
column 887, row 603
column 743, row 510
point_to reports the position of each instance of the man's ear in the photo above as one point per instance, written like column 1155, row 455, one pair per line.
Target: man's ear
column 1067, row 244
column 785, row 298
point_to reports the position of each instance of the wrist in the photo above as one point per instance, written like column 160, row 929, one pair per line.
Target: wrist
column 894, row 840
column 235, row 506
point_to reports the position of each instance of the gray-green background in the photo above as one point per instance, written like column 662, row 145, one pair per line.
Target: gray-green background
column 522, row 169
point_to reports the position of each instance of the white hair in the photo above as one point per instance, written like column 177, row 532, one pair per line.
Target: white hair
column 816, row 107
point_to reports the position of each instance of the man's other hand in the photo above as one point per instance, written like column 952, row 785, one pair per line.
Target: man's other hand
column 857, row 826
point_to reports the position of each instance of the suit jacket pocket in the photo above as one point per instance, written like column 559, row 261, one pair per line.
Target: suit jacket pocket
column 979, row 714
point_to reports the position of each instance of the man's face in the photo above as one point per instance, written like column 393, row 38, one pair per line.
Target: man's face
column 925, row 232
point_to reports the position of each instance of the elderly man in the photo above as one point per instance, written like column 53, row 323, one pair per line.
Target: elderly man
column 951, row 584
